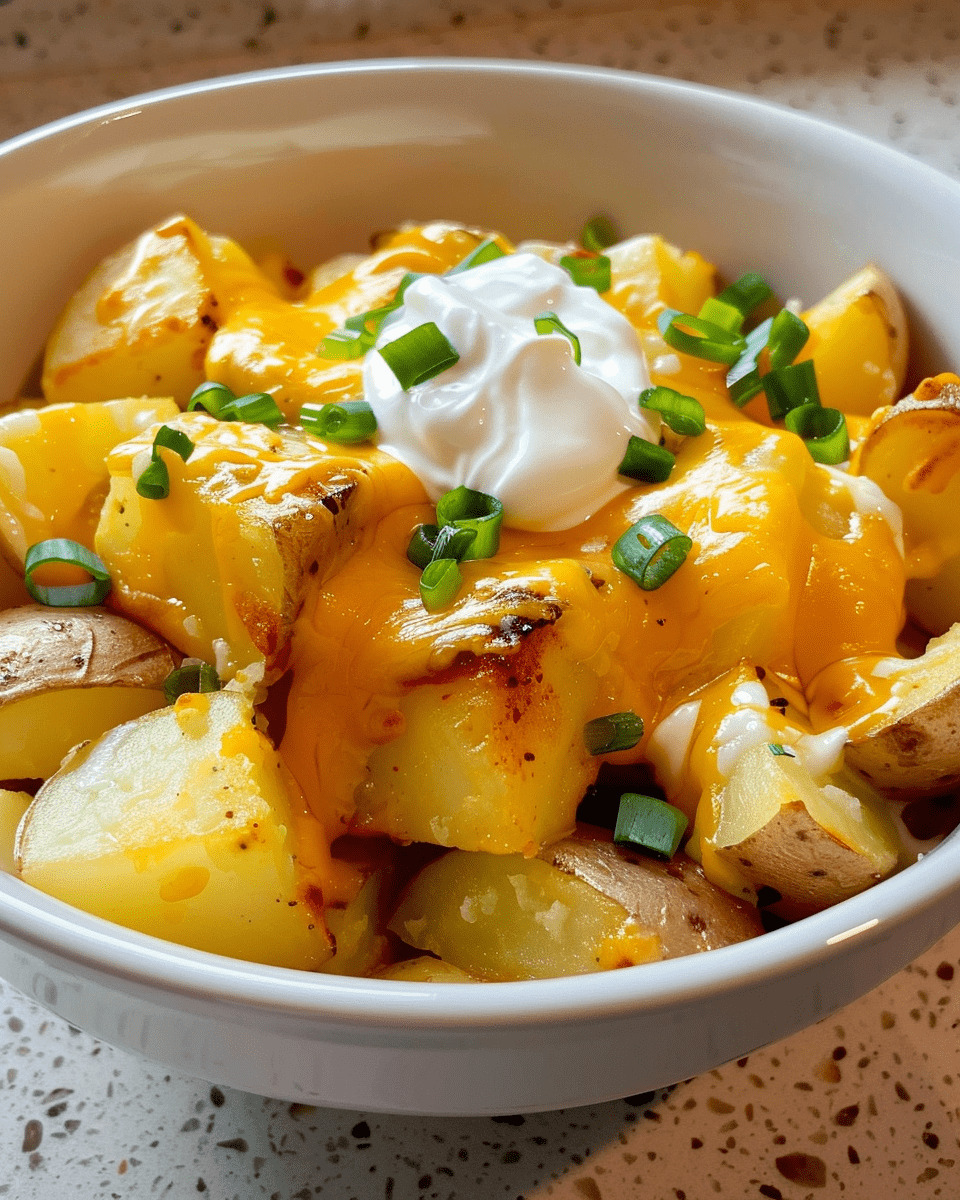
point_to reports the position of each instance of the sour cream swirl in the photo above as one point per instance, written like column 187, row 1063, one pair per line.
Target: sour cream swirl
column 516, row 417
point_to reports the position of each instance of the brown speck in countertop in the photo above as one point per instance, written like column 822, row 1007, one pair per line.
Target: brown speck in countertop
column 805, row 1169
column 32, row 1136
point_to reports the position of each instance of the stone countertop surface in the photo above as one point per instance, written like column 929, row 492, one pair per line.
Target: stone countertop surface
column 865, row 1104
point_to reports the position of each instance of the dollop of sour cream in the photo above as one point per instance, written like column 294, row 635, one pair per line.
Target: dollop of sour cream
column 516, row 417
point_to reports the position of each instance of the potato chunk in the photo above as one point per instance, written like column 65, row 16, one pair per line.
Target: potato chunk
column 911, row 746
column 509, row 917
column 490, row 758
column 12, row 807
column 674, row 899
column 68, row 676
column 53, row 475
column 221, row 565
column 858, row 337
column 913, row 452
column 815, row 845
column 140, row 323
column 185, row 825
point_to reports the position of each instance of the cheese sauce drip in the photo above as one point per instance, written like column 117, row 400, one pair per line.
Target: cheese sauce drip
column 516, row 417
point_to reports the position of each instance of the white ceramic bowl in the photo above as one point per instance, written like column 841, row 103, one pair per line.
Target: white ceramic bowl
column 319, row 157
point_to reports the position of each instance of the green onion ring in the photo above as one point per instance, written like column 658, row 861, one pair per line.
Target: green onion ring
column 650, row 825
column 651, row 551
column 646, row 461
column 346, row 422
column 683, row 414
column 548, row 322
column 702, row 339
column 439, row 583
column 70, row 553
column 618, row 731
column 189, row 679
column 465, row 508
column 824, row 431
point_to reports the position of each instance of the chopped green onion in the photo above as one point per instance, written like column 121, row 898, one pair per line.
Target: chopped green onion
column 195, row 677
column 153, row 482
column 681, row 413
column 486, row 252
column 422, row 542
column 439, row 583
column 70, row 553
column 592, row 272
column 258, row 408
column 454, row 542
column 646, row 461
column 370, row 322
column 702, row 339
column 419, row 355
column 779, row 751
column 649, row 825
column 824, row 430
column 219, row 401
column 727, row 316
column 213, row 397
column 788, row 336
column 599, row 233
column 345, row 345
column 746, row 292
column 618, row 731
column 430, row 541
column 175, row 440
column 650, row 551
column 743, row 378
column 348, row 422
column 548, row 322
column 482, row 514
column 790, row 387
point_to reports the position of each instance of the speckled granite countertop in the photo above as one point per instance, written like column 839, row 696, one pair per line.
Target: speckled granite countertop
column 866, row 1104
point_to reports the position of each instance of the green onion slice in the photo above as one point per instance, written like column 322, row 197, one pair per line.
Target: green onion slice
column 454, row 542
column 175, row 440
column 650, row 551
column 347, row 422
column 599, row 233
column 419, row 355
column 649, row 825
column 702, row 339
column 345, row 345
column 646, row 462
column 439, row 583
column 746, row 292
column 214, row 398
column 258, row 408
column 70, row 553
column 195, row 677
column 481, row 514
column 422, row 542
column 788, row 336
column 618, row 731
column 592, row 272
column 548, row 322
column 410, row 277
column 743, row 378
column 779, row 751
column 487, row 251
column 790, row 387
column 369, row 322
column 727, row 316
column 824, row 430
column 681, row 413
column 154, row 480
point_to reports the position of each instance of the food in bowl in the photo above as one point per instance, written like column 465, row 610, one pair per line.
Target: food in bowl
column 410, row 560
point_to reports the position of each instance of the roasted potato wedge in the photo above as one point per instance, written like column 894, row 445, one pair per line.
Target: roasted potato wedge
column 858, row 336
column 509, row 917
column 814, row 845
column 910, row 746
column 426, row 969
column 202, row 851
column 68, row 676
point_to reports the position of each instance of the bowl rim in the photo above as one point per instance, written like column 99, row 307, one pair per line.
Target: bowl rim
column 61, row 933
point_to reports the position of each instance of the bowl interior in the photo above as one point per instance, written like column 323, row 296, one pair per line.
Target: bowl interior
column 316, row 159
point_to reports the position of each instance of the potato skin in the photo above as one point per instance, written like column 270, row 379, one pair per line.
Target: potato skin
column 673, row 899
column 44, row 649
